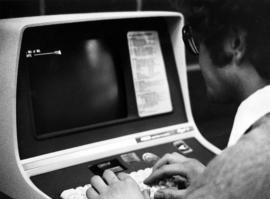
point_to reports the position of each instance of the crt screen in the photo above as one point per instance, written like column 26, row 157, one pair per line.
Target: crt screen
column 74, row 86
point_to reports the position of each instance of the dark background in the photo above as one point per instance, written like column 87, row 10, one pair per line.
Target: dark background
column 20, row 8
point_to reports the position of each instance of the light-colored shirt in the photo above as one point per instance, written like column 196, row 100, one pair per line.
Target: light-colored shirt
column 250, row 110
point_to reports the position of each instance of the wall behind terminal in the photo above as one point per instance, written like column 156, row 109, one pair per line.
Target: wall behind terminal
column 21, row 8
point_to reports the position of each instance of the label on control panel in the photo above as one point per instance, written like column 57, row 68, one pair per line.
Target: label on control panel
column 182, row 130
column 130, row 158
column 149, row 74
column 114, row 165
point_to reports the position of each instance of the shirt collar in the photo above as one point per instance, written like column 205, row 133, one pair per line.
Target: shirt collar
column 249, row 111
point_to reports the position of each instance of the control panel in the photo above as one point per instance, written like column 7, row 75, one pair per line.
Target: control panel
column 128, row 162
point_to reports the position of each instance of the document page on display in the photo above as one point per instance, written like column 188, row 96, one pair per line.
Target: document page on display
column 149, row 74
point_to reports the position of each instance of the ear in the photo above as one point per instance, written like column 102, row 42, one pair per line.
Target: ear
column 235, row 45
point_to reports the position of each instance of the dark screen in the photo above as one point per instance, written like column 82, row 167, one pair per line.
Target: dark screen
column 75, row 85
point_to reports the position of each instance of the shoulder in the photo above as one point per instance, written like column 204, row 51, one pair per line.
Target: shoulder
column 260, row 128
column 253, row 147
column 254, row 144
column 258, row 136
column 240, row 171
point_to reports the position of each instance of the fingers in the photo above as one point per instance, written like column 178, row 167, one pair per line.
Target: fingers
column 169, row 194
column 122, row 186
column 91, row 193
column 123, row 176
column 166, row 171
column 169, row 159
column 99, row 184
column 175, row 164
column 110, row 177
column 146, row 194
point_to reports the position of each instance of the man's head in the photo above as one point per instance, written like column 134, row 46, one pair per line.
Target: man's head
column 234, row 38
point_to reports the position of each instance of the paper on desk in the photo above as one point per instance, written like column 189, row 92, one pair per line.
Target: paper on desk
column 149, row 75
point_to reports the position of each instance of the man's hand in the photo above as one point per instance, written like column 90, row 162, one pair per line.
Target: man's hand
column 115, row 187
column 175, row 164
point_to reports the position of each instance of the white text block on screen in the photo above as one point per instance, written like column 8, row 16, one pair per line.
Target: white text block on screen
column 149, row 74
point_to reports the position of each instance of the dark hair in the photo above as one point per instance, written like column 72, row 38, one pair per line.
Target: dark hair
column 213, row 20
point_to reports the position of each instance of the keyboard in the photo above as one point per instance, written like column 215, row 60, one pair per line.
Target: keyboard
column 138, row 176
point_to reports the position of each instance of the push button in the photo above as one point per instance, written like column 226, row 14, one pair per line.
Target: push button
column 182, row 147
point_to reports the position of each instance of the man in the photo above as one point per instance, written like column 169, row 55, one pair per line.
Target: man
column 234, row 55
